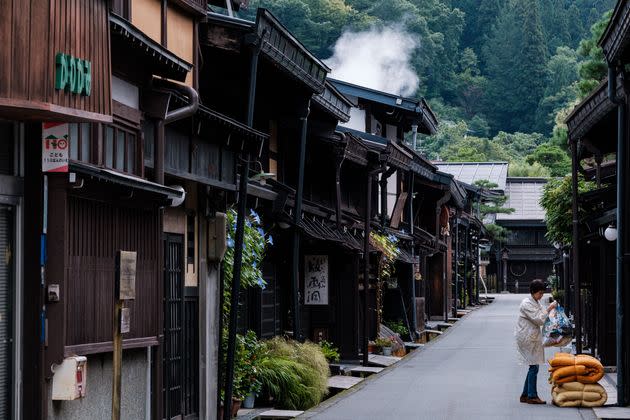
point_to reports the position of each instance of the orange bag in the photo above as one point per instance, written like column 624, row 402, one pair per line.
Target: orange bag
column 581, row 368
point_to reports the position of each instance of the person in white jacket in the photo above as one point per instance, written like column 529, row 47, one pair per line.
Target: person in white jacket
column 531, row 317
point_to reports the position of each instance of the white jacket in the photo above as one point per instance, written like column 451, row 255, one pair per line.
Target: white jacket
column 531, row 317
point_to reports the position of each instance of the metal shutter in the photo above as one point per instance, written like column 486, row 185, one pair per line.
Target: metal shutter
column 6, row 289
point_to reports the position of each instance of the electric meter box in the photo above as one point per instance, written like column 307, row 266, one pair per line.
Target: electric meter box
column 70, row 378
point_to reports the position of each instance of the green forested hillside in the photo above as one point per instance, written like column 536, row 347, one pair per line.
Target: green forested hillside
column 488, row 67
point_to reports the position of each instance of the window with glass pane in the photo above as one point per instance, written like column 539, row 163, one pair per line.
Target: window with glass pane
column 73, row 133
column 131, row 153
column 84, row 145
column 109, row 147
column 120, row 150
column 80, row 141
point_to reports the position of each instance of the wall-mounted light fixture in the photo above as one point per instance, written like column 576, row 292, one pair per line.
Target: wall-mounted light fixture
column 610, row 233
column 177, row 201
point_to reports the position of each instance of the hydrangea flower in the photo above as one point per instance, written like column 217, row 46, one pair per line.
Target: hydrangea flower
column 230, row 242
column 269, row 240
column 262, row 232
column 261, row 283
column 254, row 216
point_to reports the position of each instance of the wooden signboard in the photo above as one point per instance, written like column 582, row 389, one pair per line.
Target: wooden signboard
column 316, row 279
column 126, row 275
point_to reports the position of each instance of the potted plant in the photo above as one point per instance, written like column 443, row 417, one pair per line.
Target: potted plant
column 385, row 344
column 331, row 353
column 247, row 384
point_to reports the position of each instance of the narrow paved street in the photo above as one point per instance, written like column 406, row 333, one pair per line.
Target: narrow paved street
column 469, row 373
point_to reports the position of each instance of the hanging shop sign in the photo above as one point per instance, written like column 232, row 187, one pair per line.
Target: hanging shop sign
column 316, row 279
column 55, row 147
column 73, row 74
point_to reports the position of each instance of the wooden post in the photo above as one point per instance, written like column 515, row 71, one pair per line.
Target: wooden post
column 117, row 361
column 125, row 289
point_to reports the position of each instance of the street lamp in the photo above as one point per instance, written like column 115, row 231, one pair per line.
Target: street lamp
column 504, row 257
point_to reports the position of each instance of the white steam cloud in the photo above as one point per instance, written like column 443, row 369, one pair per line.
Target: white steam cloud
column 378, row 59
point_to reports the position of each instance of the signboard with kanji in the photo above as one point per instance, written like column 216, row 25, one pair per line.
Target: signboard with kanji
column 55, row 147
column 316, row 279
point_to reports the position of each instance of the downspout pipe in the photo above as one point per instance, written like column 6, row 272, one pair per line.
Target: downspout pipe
column 466, row 276
column 339, row 159
column 297, row 217
column 414, row 141
column 414, row 317
column 366, row 259
column 238, row 246
column 438, row 210
column 170, row 117
column 622, row 323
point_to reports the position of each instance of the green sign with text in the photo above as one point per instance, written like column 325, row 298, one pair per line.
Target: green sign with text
column 73, row 74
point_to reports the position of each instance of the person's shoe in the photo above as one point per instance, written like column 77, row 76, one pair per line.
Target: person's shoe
column 523, row 398
column 535, row 400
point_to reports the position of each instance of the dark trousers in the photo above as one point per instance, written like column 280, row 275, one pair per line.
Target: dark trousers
column 529, row 389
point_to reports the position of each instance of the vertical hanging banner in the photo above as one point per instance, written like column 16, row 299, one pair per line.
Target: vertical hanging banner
column 316, row 279
column 55, row 147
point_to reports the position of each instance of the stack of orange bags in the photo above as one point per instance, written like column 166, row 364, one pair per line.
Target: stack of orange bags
column 574, row 380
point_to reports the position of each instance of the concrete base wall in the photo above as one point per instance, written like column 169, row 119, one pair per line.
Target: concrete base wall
column 97, row 404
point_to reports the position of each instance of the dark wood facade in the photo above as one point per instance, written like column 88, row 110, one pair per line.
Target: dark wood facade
column 34, row 32
column 597, row 131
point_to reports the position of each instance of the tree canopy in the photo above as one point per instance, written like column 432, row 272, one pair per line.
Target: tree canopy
column 496, row 72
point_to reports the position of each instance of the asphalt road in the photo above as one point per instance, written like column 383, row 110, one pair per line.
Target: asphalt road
column 471, row 372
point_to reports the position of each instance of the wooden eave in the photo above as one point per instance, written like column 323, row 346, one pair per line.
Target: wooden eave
column 616, row 36
column 161, row 61
column 236, row 4
column 590, row 111
column 197, row 7
column 397, row 156
column 402, row 110
column 252, row 139
column 125, row 180
column 285, row 51
column 234, row 126
column 355, row 150
column 429, row 119
column 224, row 32
column 333, row 102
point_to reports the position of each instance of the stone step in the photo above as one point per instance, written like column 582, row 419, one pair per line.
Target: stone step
column 441, row 326
column 280, row 414
column 382, row 361
column 612, row 412
column 341, row 382
column 364, row 371
column 413, row 346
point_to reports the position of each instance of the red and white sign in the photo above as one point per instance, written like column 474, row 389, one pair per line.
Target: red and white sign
column 55, row 147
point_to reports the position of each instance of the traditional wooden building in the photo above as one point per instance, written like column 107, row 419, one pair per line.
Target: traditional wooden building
column 526, row 254
column 529, row 254
column 413, row 204
column 592, row 129
column 130, row 135
column 598, row 137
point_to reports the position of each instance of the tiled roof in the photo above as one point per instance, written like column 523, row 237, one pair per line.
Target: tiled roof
column 524, row 197
column 469, row 172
